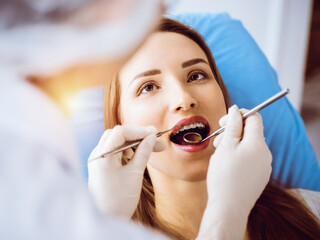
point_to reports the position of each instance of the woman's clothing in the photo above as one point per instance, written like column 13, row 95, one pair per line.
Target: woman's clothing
column 312, row 199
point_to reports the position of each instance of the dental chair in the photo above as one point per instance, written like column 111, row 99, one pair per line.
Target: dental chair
column 250, row 80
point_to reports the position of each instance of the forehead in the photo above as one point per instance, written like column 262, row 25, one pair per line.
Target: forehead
column 162, row 50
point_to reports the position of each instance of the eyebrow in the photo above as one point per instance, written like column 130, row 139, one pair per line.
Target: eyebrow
column 157, row 71
column 193, row 62
column 148, row 73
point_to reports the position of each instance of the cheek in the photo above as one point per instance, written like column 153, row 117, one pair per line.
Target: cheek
column 213, row 102
column 218, row 104
column 139, row 113
column 213, row 98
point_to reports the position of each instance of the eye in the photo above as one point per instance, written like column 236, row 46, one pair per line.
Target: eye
column 147, row 88
column 197, row 76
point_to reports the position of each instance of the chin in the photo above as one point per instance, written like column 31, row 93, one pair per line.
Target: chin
column 187, row 172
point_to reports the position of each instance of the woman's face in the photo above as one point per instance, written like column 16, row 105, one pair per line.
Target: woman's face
column 169, row 82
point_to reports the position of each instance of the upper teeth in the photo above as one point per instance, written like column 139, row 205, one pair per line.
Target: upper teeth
column 191, row 125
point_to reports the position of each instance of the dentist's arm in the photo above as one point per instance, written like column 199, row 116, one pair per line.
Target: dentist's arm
column 44, row 197
column 238, row 172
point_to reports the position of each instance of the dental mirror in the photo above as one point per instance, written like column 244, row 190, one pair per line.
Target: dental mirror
column 194, row 137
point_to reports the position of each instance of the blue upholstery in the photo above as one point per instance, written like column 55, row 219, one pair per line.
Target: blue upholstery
column 250, row 80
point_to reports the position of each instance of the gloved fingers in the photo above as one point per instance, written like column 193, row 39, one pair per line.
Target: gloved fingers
column 223, row 120
column 217, row 140
column 253, row 128
column 134, row 133
column 143, row 152
column 121, row 134
column 103, row 145
column 114, row 138
column 243, row 110
column 105, row 136
column 158, row 147
column 222, row 123
column 254, row 122
column 233, row 127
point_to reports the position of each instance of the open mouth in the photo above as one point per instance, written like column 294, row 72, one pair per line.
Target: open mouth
column 200, row 127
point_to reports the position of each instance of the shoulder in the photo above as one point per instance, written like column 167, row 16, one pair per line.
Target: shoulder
column 311, row 199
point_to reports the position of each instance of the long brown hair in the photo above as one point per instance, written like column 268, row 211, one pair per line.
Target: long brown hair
column 277, row 214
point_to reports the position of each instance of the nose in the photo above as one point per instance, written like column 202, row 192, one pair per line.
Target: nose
column 182, row 100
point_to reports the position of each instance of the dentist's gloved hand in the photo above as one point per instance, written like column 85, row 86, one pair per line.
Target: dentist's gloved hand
column 238, row 172
column 115, row 187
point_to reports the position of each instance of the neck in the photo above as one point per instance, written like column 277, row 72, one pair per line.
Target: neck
column 179, row 202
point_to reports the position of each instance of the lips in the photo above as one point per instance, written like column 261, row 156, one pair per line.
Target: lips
column 187, row 121
column 193, row 124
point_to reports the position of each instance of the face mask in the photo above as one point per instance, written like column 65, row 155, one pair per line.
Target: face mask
column 45, row 47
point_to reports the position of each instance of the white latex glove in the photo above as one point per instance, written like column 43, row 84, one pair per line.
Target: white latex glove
column 238, row 172
column 116, row 188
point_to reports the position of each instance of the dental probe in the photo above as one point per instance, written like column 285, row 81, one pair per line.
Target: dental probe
column 126, row 145
column 193, row 137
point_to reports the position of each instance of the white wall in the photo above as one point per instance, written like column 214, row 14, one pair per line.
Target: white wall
column 280, row 27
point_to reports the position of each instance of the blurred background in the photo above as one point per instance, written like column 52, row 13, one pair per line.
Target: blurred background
column 288, row 32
